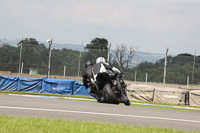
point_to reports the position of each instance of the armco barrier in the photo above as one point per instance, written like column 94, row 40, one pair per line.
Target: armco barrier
column 43, row 85
column 149, row 93
column 170, row 96
column 194, row 98
column 140, row 93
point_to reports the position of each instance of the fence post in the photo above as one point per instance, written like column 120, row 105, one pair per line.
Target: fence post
column 146, row 77
column 22, row 67
column 20, row 56
column 193, row 68
column 79, row 64
column 108, row 57
column 165, row 65
column 188, row 78
column 64, row 71
column 136, row 64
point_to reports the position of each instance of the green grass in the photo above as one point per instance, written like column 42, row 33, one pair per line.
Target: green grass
column 168, row 108
column 161, row 107
column 43, row 94
column 40, row 125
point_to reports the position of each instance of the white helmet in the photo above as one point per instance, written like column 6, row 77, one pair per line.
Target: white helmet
column 100, row 60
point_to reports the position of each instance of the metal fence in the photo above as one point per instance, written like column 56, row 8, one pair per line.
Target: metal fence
column 144, row 67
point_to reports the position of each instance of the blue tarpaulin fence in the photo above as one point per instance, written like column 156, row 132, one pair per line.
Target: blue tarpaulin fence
column 43, row 85
column 78, row 89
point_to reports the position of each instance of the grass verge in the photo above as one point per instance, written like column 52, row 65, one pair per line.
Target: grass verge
column 43, row 94
column 42, row 125
column 162, row 106
column 168, row 108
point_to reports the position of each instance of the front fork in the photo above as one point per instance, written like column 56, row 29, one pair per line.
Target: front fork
column 120, row 85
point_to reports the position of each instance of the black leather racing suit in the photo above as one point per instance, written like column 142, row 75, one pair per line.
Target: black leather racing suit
column 97, row 68
column 87, row 75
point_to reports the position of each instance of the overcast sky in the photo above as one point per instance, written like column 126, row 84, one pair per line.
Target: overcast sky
column 152, row 25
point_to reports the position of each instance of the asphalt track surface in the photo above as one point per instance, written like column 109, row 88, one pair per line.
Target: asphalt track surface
column 90, row 111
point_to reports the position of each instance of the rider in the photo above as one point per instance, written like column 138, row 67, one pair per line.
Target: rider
column 102, row 66
column 90, row 74
column 87, row 78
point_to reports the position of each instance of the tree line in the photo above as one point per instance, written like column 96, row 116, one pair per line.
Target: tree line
column 35, row 55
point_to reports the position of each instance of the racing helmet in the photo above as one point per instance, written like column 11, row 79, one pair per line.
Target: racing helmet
column 100, row 60
column 87, row 64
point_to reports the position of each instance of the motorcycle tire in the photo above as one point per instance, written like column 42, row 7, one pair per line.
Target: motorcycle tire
column 109, row 94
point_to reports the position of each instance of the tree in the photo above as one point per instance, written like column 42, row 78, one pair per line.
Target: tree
column 8, row 54
column 98, row 47
column 29, row 41
column 124, row 56
column 33, row 52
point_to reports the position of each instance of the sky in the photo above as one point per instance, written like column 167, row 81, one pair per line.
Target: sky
column 151, row 25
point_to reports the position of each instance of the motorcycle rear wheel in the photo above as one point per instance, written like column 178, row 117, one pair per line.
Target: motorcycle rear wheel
column 109, row 94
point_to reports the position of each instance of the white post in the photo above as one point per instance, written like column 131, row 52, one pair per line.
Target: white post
column 193, row 68
column 79, row 65
column 165, row 67
column 146, row 77
column 188, row 79
column 48, row 70
column 108, row 60
column 64, row 71
column 20, row 57
column 136, row 64
column 22, row 67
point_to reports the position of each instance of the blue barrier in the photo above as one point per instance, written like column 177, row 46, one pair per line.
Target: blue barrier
column 9, row 83
column 57, row 86
column 79, row 89
column 30, row 84
column 43, row 85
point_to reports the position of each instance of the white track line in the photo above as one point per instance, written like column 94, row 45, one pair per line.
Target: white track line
column 23, row 95
column 98, row 113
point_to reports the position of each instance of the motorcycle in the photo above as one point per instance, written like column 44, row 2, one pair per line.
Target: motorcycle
column 110, row 88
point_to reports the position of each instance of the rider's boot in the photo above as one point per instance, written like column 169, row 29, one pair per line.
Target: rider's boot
column 102, row 100
column 93, row 92
column 101, row 97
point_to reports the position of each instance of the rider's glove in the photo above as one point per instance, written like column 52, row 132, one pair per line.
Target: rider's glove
column 116, row 70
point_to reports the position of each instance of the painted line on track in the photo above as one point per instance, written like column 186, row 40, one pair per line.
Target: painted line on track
column 99, row 113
